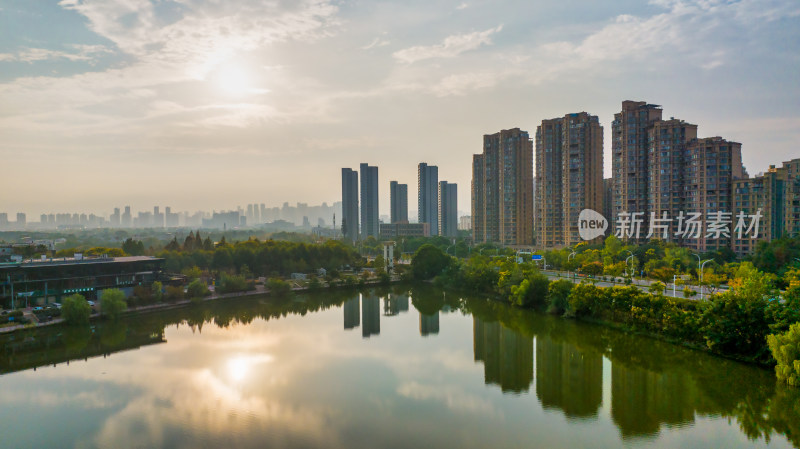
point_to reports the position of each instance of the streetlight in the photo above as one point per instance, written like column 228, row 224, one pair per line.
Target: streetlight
column 569, row 257
column 701, row 276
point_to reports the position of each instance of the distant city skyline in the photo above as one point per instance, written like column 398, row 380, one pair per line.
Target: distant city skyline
column 201, row 105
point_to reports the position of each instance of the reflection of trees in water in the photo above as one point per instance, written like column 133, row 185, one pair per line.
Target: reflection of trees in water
column 653, row 383
column 507, row 355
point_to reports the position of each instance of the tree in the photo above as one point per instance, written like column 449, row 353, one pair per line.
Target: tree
column 197, row 289
column 278, row 287
column 428, row 262
column 76, row 310
column 592, row 268
column 157, row 289
column 112, row 303
column 785, row 348
column 133, row 247
column 657, row 288
column 558, row 294
column 663, row 274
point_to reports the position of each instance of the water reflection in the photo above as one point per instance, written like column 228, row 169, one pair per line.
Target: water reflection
column 262, row 371
column 351, row 313
column 507, row 356
column 371, row 314
column 568, row 378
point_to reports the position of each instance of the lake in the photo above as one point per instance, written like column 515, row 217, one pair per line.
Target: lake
column 377, row 368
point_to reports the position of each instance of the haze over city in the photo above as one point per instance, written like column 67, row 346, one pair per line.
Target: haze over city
column 209, row 105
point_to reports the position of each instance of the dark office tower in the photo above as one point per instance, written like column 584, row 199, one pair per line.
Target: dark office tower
column 428, row 324
column 351, row 313
column 350, row 204
column 369, row 201
column 428, row 196
column 630, row 162
column 22, row 220
column 569, row 176
column 448, row 209
column 371, row 316
column 127, row 219
column 399, row 202
column 502, row 189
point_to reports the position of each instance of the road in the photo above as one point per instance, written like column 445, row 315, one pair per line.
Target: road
column 643, row 284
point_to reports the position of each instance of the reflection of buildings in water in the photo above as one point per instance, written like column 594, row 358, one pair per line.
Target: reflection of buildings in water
column 395, row 304
column 428, row 324
column 568, row 378
column 371, row 316
column 507, row 356
column 642, row 400
column 351, row 313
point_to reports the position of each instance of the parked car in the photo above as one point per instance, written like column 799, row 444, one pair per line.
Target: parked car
column 57, row 305
column 38, row 308
column 91, row 303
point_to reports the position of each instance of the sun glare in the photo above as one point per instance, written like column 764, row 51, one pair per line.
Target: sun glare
column 238, row 368
column 233, row 80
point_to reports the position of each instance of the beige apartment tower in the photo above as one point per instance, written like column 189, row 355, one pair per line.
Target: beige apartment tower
column 569, row 176
column 502, row 189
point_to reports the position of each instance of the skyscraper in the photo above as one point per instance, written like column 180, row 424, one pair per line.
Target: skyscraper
column 127, row 219
column 448, row 209
column 350, row 204
column 369, row 201
column 428, row 196
column 502, row 189
column 399, row 202
column 630, row 162
column 569, row 176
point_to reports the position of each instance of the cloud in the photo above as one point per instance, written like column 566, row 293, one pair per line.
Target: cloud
column 377, row 42
column 463, row 5
column 451, row 47
column 80, row 53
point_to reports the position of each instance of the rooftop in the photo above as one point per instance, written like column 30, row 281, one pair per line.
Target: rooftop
column 30, row 263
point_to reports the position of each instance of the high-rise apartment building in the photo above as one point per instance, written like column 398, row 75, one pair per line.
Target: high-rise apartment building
column 369, row 201
column 428, row 196
column 667, row 177
column 664, row 173
column 502, row 189
column 448, row 209
column 630, row 162
column 350, row 204
column 398, row 194
column 608, row 198
column 775, row 196
column 22, row 220
column 710, row 167
column 569, row 176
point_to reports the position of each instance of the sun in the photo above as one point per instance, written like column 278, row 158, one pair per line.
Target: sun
column 233, row 80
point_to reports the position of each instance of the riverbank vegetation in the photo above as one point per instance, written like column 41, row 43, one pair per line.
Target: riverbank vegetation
column 733, row 323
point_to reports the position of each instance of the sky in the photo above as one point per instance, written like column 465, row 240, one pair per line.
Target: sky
column 212, row 104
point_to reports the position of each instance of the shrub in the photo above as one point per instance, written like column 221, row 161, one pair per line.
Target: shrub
column 278, row 287
column 785, row 349
column 76, row 310
column 197, row 289
column 232, row 283
column 558, row 296
column 174, row 293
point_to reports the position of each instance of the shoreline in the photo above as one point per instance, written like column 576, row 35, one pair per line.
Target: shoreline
column 259, row 290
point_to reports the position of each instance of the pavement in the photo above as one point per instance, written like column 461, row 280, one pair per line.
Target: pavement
column 642, row 284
